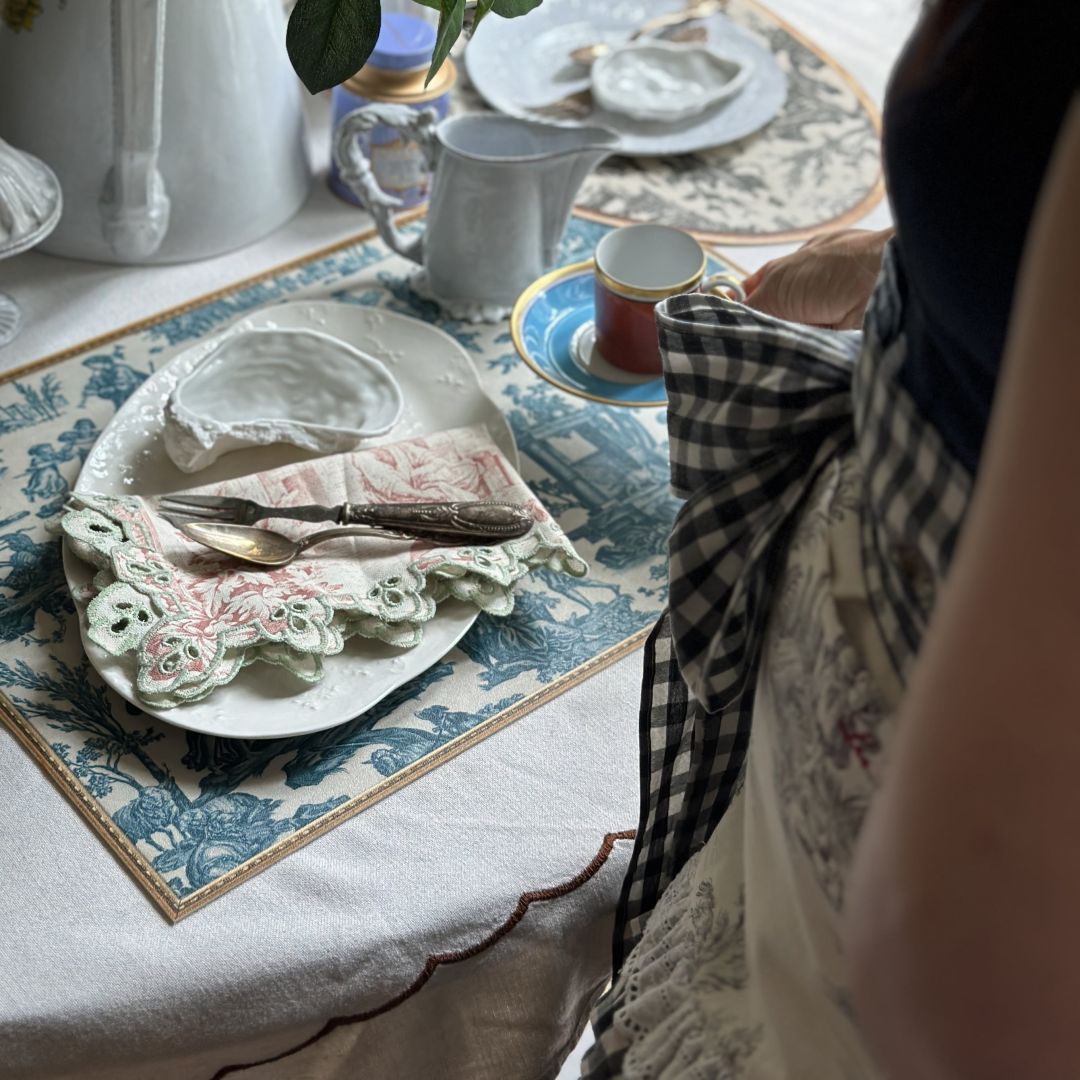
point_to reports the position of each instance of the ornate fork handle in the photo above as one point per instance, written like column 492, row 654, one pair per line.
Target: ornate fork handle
column 499, row 521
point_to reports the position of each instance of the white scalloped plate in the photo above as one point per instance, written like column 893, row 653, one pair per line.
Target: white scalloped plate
column 441, row 390
column 522, row 64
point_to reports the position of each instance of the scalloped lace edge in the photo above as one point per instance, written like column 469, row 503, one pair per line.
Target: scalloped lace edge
column 544, row 546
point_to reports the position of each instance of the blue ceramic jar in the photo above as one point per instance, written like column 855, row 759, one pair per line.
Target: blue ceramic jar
column 395, row 72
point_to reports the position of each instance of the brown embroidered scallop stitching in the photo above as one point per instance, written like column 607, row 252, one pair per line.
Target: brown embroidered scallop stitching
column 433, row 962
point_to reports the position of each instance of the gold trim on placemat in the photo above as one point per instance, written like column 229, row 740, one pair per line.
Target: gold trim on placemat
column 123, row 849
column 175, row 908
column 400, row 779
column 206, row 298
column 859, row 210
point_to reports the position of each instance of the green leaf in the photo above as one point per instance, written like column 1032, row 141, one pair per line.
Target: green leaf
column 451, row 18
column 329, row 41
column 508, row 9
column 482, row 8
column 511, row 9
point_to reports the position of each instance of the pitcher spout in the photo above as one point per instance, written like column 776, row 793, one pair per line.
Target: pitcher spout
column 574, row 159
column 597, row 143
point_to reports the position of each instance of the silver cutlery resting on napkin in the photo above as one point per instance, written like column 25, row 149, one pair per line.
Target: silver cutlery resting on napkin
column 440, row 522
column 265, row 547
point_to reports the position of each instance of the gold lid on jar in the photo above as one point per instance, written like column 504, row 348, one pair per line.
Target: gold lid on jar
column 401, row 87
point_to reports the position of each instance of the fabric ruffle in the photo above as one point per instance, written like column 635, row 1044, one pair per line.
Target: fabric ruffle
column 681, row 1012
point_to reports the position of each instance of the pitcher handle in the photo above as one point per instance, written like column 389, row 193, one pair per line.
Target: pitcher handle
column 355, row 170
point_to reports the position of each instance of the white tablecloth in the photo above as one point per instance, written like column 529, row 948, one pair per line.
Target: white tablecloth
column 94, row 983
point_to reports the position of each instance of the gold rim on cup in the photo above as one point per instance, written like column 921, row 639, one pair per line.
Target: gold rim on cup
column 656, row 294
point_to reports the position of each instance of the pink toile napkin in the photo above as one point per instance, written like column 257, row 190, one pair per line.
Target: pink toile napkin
column 194, row 618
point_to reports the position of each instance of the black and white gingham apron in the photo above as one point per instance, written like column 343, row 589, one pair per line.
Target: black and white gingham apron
column 757, row 407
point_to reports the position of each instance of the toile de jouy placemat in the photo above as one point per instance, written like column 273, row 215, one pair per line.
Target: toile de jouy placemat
column 189, row 815
column 815, row 166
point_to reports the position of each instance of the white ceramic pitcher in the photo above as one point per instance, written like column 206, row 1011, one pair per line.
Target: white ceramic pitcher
column 174, row 126
column 500, row 200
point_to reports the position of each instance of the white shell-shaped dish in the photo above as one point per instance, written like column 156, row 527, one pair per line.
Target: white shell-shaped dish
column 129, row 459
column 666, row 81
column 30, row 201
column 257, row 387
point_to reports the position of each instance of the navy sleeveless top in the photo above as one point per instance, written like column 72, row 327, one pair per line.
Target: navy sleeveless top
column 971, row 118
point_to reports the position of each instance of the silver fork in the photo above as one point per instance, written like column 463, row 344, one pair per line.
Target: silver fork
column 480, row 520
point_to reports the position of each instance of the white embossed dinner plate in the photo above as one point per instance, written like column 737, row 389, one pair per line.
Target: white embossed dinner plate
column 522, row 64
column 440, row 389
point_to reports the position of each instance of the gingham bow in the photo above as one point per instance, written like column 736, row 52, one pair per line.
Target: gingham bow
column 756, row 407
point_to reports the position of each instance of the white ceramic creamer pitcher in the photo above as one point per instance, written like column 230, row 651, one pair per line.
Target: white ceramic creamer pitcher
column 174, row 126
column 500, row 200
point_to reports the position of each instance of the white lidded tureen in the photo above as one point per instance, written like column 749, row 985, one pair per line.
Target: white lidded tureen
column 257, row 387
column 30, row 205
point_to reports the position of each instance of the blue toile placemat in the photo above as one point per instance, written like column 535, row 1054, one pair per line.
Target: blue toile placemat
column 816, row 166
column 191, row 816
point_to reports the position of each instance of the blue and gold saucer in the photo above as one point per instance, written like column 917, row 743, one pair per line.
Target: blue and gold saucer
column 553, row 330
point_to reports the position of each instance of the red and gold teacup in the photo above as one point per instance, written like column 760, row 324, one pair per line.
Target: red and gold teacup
column 636, row 267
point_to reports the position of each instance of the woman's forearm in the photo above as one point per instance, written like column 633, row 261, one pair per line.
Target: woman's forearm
column 964, row 901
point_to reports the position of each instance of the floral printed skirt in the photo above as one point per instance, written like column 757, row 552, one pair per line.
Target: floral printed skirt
column 740, row 972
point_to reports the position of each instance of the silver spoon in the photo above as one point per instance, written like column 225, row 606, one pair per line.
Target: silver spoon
column 265, row 547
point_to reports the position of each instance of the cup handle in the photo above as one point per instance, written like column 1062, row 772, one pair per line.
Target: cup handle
column 727, row 286
column 355, row 170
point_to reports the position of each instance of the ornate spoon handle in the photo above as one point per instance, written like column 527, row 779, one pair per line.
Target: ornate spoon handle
column 494, row 521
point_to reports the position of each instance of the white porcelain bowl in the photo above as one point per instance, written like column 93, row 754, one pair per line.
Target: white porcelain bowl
column 30, row 200
column 256, row 387
column 666, row 81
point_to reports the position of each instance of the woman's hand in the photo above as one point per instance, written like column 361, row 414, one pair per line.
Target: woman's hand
column 827, row 282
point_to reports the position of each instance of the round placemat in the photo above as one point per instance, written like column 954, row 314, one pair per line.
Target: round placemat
column 817, row 165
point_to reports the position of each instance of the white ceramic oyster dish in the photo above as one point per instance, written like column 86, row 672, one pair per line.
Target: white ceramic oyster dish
column 522, row 65
column 254, row 387
column 661, row 81
column 440, row 389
